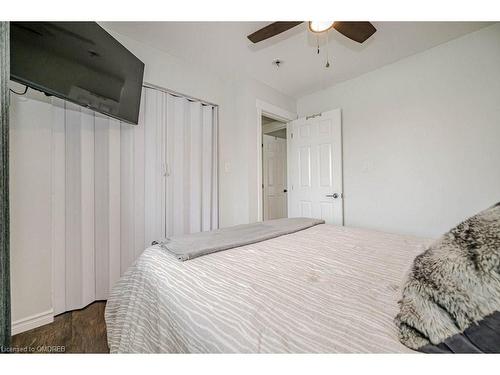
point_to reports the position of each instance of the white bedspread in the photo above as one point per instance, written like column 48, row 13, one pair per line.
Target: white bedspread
column 325, row 289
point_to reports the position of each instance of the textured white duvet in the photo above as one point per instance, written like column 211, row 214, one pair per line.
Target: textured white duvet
column 325, row 289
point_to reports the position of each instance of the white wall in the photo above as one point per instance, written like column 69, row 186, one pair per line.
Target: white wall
column 421, row 137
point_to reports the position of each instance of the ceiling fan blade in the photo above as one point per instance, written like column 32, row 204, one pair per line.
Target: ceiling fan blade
column 271, row 30
column 357, row 31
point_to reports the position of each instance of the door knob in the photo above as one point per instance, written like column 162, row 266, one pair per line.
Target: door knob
column 334, row 195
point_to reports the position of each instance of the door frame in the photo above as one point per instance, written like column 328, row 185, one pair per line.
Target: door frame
column 276, row 113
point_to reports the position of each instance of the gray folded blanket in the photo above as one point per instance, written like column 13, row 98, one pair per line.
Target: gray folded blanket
column 197, row 244
column 451, row 300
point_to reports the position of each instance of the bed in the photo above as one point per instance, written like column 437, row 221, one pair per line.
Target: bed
column 326, row 289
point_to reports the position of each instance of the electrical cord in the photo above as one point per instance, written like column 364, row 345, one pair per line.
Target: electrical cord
column 19, row 93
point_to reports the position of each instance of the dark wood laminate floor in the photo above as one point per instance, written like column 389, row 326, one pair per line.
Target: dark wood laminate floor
column 79, row 331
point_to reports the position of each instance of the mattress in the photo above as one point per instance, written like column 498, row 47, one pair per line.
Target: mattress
column 326, row 289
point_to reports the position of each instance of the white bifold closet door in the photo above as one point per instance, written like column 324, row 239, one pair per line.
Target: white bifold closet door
column 180, row 173
column 85, row 214
column 118, row 187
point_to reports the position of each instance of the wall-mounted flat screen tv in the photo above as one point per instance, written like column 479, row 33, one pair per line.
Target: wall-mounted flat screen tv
column 79, row 62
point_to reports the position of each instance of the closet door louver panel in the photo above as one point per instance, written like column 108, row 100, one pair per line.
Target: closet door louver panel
column 176, row 143
column 196, row 160
column 85, row 206
column 73, row 274
column 107, row 204
column 215, row 170
column 206, row 200
column 59, row 204
column 80, row 276
column 168, row 193
column 155, row 168
column 139, row 183
column 102, row 196
column 116, row 188
column 113, row 207
column 127, row 202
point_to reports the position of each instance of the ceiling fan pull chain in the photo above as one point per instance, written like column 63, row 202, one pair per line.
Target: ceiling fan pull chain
column 317, row 42
column 327, row 50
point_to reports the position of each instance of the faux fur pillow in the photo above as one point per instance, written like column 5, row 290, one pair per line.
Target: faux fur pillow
column 451, row 300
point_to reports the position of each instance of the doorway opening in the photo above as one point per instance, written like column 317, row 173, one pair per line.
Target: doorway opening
column 283, row 116
column 274, row 169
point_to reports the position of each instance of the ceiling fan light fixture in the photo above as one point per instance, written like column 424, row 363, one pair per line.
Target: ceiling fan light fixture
column 320, row 26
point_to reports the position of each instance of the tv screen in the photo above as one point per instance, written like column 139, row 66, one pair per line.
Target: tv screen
column 79, row 62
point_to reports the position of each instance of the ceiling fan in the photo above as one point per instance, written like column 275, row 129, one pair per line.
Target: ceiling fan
column 357, row 31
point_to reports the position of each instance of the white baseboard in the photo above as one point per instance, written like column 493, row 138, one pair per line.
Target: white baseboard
column 32, row 321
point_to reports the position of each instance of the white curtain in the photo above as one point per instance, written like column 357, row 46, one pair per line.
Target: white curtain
column 118, row 187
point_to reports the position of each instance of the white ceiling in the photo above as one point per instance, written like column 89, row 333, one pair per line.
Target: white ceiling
column 224, row 48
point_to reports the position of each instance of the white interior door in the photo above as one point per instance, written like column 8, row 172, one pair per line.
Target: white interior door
column 274, row 179
column 315, row 167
